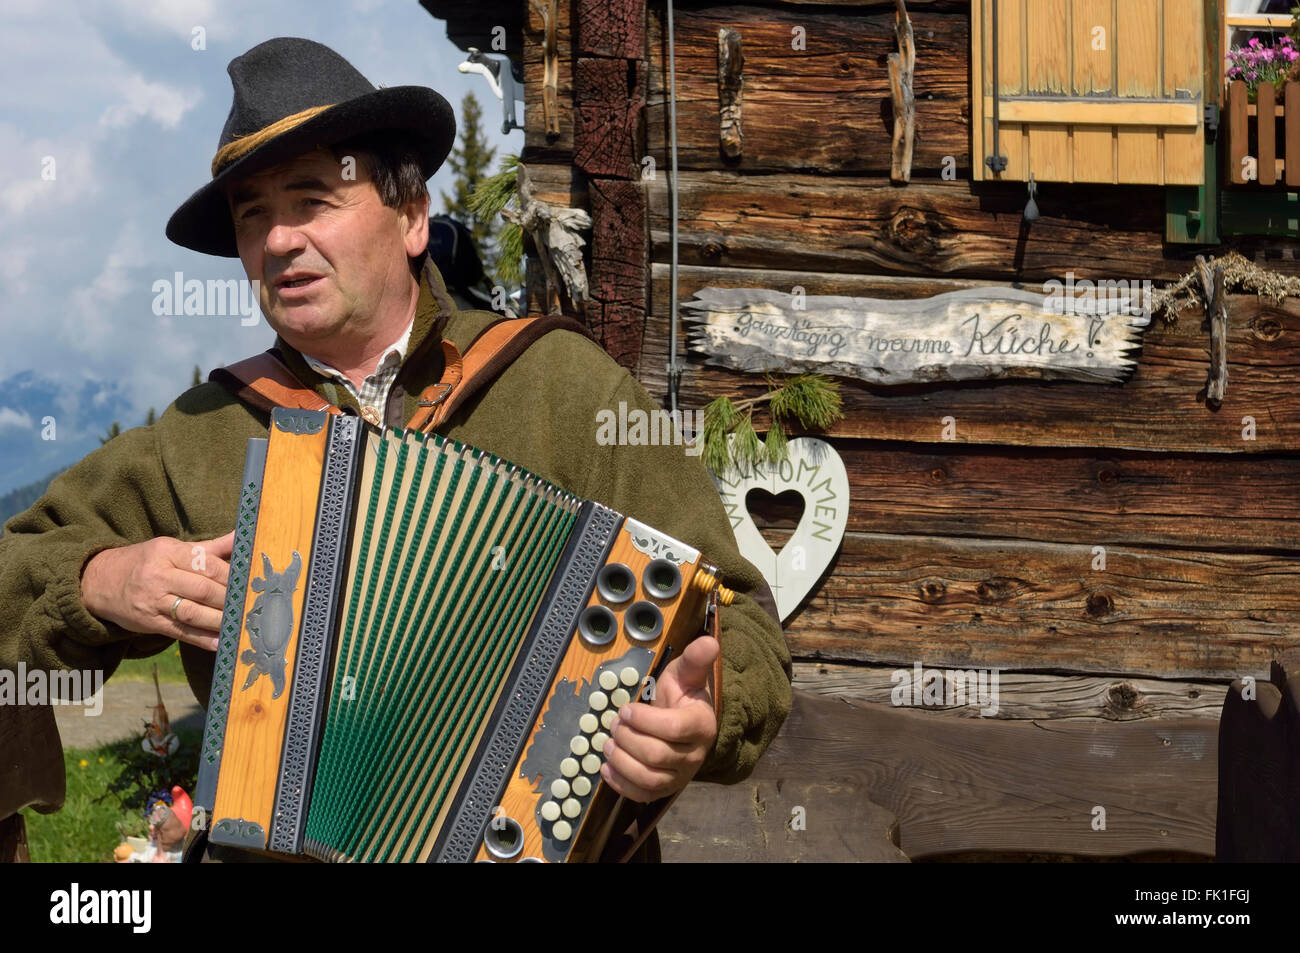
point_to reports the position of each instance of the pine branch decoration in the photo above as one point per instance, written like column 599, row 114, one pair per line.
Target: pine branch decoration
column 810, row 400
column 487, row 202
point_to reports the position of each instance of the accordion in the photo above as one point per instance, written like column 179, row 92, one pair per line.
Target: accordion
column 423, row 647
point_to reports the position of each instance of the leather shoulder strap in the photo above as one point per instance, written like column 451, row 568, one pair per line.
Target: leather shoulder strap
column 265, row 382
column 491, row 353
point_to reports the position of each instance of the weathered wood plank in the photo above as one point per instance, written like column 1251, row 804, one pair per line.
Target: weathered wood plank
column 934, row 228
column 1026, row 696
column 1161, row 408
column 826, row 106
column 538, row 145
column 1224, row 502
column 1038, row 607
column 749, row 823
column 961, row 784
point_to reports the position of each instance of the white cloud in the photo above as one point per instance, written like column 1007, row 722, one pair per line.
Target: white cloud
column 14, row 419
column 157, row 101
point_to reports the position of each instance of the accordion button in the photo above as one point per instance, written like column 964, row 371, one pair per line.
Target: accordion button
column 598, row 701
column 607, row 719
column 550, row 811
column 571, row 808
column 559, row 789
column 569, row 767
column 598, row 741
column 608, row 680
column 629, row 676
column 588, row 723
column 582, row 786
column 590, row 764
column 620, row 697
column 562, row 830
column 579, row 745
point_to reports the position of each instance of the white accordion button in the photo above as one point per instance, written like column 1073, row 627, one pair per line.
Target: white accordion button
column 559, row 790
column 551, row 810
column 571, row 808
column 562, row 830
column 608, row 680
column 569, row 767
column 607, row 719
column 620, row 697
column 598, row 701
column 582, row 786
column 629, row 676
column 598, row 742
column 590, row 764
column 588, row 723
column 579, row 745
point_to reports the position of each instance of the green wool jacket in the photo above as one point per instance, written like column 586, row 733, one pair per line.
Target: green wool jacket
column 180, row 477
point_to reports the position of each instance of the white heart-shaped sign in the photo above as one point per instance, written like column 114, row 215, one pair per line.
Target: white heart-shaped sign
column 815, row 471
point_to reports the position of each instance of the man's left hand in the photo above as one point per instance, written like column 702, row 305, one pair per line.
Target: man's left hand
column 654, row 750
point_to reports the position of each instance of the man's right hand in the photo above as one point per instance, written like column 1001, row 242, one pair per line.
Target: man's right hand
column 136, row 586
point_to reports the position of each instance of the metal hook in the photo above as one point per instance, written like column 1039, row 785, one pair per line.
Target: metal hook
column 1031, row 207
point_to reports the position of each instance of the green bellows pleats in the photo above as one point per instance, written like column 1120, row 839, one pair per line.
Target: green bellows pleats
column 451, row 552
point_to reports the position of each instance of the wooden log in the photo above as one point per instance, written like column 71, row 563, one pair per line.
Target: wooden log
column 1160, row 408
column 608, row 95
column 1036, row 607
column 961, row 784
column 750, row 822
column 1222, row 502
column 614, row 29
column 933, row 228
column 1025, row 696
column 825, row 107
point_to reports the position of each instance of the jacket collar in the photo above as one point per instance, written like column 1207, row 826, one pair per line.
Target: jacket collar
column 422, row 365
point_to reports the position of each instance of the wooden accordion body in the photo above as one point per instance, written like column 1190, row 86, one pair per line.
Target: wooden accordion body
column 422, row 649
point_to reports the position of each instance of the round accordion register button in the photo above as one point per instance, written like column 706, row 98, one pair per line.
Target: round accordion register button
column 569, row 767
column 590, row 764
column 582, row 786
column 562, row 830
column 571, row 808
column 598, row 701
column 598, row 741
column 579, row 745
column 588, row 723
column 607, row 719
column 629, row 676
column 620, row 697
column 550, row 811
column 608, row 680
column 559, row 789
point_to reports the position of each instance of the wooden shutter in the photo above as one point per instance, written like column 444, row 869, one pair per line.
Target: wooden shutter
column 1129, row 113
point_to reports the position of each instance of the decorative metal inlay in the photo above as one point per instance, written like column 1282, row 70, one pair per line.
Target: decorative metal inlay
column 659, row 545
column 270, row 623
column 299, row 421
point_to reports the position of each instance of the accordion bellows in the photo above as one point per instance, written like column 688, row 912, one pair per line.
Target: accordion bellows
column 423, row 647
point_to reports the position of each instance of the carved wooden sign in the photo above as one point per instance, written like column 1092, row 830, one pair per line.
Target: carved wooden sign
column 815, row 471
column 961, row 335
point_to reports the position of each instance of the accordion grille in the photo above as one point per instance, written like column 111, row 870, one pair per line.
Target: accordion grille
column 451, row 551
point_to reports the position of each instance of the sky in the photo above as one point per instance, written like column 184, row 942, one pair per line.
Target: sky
column 109, row 117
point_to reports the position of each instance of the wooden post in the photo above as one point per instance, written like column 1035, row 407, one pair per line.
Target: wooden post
column 1238, row 130
column 1266, row 121
column 901, row 67
column 608, row 138
column 1291, row 105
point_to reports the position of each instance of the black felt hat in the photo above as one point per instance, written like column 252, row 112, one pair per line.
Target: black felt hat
column 291, row 96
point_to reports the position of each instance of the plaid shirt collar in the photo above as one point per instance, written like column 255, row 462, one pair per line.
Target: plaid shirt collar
column 372, row 396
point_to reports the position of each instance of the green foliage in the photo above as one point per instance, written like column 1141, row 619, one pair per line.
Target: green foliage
column 197, row 379
column 489, row 199
column 811, row 400
column 113, row 431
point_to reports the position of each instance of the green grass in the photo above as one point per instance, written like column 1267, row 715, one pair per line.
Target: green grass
column 141, row 669
column 108, row 786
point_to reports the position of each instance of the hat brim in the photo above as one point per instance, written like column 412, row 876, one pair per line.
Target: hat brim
column 203, row 222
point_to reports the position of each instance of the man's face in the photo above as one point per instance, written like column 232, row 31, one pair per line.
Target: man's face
column 330, row 256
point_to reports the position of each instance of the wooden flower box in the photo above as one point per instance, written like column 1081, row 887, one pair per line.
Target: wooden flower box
column 1267, row 130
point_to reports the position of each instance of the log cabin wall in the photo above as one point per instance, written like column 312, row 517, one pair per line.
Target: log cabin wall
column 981, row 551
